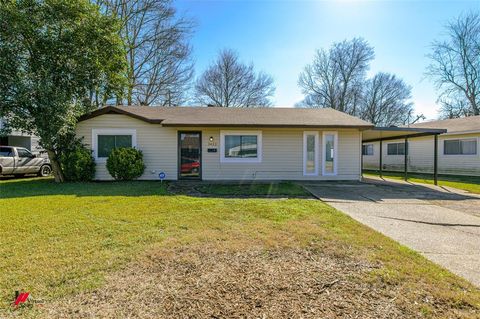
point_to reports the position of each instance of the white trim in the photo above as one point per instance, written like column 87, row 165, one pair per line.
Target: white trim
column 257, row 159
column 335, row 152
column 110, row 131
column 305, row 134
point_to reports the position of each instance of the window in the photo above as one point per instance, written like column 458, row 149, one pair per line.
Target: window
column 106, row 143
column 6, row 152
column 24, row 153
column 460, row 147
column 105, row 140
column 329, row 159
column 396, row 149
column 241, row 146
column 367, row 149
column 310, row 153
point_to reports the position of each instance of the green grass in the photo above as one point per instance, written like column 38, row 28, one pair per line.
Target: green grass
column 468, row 183
column 252, row 189
column 61, row 239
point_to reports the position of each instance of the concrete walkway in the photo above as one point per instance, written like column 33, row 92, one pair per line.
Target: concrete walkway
column 441, row 223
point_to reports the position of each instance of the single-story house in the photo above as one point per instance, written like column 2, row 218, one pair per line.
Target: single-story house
column 18, row 138
column 214, row 143
column 458, row 152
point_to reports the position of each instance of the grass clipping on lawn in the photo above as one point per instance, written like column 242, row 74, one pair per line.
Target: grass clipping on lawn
column 130, row 250
column 208, row 281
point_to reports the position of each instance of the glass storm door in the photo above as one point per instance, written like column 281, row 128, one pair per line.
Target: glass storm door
column 189, row 149
column 310, row 153
column 330, row 153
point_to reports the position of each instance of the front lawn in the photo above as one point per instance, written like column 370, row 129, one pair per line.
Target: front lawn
column 468, row 183
column 135, row 250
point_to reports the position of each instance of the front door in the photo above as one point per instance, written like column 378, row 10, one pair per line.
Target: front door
column 189, row 155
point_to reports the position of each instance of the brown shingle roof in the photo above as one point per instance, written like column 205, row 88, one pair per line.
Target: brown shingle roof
column 219, row 116
column 454, row 126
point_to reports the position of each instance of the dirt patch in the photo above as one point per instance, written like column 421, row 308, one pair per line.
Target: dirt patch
column 238, row 190
column 256, row 283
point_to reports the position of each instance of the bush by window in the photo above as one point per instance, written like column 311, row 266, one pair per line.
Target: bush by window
column 125, row 163
column 78, row 164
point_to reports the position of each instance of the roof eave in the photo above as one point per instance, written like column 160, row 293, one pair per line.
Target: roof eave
column 114, row 110
column 410, row 132
column 360, row 127
column 463, row 132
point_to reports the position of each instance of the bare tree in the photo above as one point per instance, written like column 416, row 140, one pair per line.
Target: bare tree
column 454, row 107
column 386, row 101
column 335, row 77
column 157, row 51
column 230, row 83
column 455, row 66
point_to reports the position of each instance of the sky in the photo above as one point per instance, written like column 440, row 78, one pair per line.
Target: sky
column 281, row 37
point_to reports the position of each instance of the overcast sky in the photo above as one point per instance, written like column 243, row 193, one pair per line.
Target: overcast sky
column 280, row 37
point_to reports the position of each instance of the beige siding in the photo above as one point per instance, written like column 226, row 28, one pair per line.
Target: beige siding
column 158, row 144
column 282, row 152
column 420, row 157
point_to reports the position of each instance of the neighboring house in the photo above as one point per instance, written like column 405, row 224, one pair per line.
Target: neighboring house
column 17, row 138
column 458, row 149
column 213, row 143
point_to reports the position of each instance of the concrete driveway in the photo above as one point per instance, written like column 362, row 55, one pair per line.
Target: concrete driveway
column 441, row 223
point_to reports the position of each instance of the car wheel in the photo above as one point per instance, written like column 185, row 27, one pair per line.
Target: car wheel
column 45, row 171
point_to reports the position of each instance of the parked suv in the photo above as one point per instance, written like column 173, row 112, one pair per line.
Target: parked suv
column 19, row 161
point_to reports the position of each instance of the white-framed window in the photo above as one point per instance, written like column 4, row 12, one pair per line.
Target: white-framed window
column 104, row 140
column 467, row 146
column 240, row 146
column 367, row 149
column 329, row 154
column 396, row 149
column 310, row 153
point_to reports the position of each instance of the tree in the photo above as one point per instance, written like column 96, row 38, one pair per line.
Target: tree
column 455, row 66
column 454, row 106
column 335, row 77
column 157, row 51
column 230, row 83
column 385, row 100
column 56, row 57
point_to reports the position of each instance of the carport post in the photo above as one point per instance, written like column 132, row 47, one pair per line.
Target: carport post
column 435, row 160
column 405, row 160
column 381, row 155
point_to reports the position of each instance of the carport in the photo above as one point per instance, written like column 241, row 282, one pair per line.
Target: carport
column 380, row 134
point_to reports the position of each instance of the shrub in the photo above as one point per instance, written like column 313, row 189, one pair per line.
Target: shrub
column 78, row 164
column 125, row 163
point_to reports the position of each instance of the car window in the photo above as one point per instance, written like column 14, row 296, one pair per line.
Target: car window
column 23, row 152
column 6, row 152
